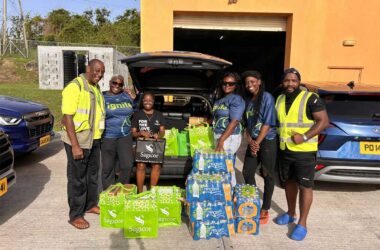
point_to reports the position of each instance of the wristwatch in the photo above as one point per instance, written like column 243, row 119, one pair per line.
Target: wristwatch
column 304, row 137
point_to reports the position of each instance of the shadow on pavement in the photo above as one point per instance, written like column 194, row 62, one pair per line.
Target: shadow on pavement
column 39, row 155
column 119, row 242
column 31, row 180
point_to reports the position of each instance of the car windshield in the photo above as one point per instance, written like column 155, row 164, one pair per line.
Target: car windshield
column 354, row 106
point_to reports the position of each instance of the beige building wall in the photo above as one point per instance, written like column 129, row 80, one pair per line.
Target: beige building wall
column 316, row 30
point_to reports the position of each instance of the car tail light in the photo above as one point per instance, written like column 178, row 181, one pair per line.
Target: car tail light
column 321, row 137
column 319, row 167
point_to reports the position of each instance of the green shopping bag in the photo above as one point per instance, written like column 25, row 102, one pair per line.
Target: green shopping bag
column 169, row 206
column 183, row 143
column 140, row 216
column 171, row 146
column 201, row 137
column 111, row 203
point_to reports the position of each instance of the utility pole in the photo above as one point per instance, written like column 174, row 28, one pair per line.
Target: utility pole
column 23, row 29
column 4, row 29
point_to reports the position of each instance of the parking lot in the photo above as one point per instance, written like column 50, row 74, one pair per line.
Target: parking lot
column 34, row 214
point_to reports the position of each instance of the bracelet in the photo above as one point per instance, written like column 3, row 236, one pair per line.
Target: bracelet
column 304, row 137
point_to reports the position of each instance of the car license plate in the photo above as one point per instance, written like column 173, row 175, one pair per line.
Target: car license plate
column 3, row 186
column 369, row 148
column 44, row 140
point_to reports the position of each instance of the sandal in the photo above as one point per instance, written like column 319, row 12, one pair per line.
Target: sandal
column 284, row 219
column 79, row 223
column 264, row 217
column 299, row 233
column 94, row 210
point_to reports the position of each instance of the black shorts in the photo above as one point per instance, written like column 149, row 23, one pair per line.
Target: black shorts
column 299, row 167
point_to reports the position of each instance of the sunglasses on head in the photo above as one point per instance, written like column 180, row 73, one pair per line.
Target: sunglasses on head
column 229, row 84
column 118, row 84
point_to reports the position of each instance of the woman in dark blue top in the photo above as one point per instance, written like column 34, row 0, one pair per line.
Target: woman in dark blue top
column 261, row 135
column 227, row 114
column 117, row 138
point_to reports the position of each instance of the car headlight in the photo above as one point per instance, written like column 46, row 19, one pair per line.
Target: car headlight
column 9, row 121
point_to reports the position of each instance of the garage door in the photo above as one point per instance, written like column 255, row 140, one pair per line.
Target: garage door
column 229, row 22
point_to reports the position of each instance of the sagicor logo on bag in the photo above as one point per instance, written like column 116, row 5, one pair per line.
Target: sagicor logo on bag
column 140, row 219
column 165, row 211
column 149, row 147
column 112, row 213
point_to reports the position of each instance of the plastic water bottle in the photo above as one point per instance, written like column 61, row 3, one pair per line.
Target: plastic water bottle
column 202, row 231
column 195, row 188
column 201, row 163
column 199, row 211
column 211, row 167
column 246, row 227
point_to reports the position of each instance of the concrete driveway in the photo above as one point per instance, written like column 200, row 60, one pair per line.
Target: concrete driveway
column 34, row 214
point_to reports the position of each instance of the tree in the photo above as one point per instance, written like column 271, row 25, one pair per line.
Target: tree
column 35, row 28
column 77, row 30
column 101, row 16
column 15, row 31
column 89, row 15
column 129, row 25
column 56, row 21
column 92, row 26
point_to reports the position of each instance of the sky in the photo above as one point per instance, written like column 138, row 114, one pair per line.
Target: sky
column 43, row 7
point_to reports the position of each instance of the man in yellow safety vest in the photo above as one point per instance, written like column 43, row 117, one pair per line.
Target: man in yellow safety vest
column 301, row 116
column 83, row 124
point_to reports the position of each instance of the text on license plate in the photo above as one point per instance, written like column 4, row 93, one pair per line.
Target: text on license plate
column 369, row 148
column 3, row 186
column 44, row 140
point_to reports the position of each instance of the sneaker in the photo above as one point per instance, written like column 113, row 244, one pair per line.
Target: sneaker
column 264, row 217
column 299, row 233
column 284, row 219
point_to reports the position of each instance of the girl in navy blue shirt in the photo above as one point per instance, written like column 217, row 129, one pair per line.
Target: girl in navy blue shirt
column 227, row 115
column 117, row 138
column 261, row 134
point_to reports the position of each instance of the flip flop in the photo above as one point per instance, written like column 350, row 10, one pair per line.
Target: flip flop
column 284, row 219
column 299, row 233
column 79, row 223
column 94, row 210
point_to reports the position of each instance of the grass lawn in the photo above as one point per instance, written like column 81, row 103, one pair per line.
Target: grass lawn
column 18, row 82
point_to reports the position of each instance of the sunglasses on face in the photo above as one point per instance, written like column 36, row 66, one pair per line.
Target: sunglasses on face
column 118, row 84
column 228, row 84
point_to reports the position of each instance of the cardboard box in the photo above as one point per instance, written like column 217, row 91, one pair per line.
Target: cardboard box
column 193, row 120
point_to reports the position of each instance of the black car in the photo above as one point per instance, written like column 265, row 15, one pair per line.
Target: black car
column 7, row 174
column 184, row 84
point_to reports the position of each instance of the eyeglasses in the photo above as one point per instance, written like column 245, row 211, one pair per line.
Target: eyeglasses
column 229, row 84
column 118, row 84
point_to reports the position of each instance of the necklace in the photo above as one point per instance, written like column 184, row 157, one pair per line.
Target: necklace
column 148, row 116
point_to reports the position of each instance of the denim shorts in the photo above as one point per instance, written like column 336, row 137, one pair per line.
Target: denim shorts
column 231, row 144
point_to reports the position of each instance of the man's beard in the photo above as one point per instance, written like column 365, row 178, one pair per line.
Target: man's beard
column 295, row 91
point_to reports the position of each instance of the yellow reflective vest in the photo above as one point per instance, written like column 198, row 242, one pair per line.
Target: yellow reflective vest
column 84, row 117
column 295, row 121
